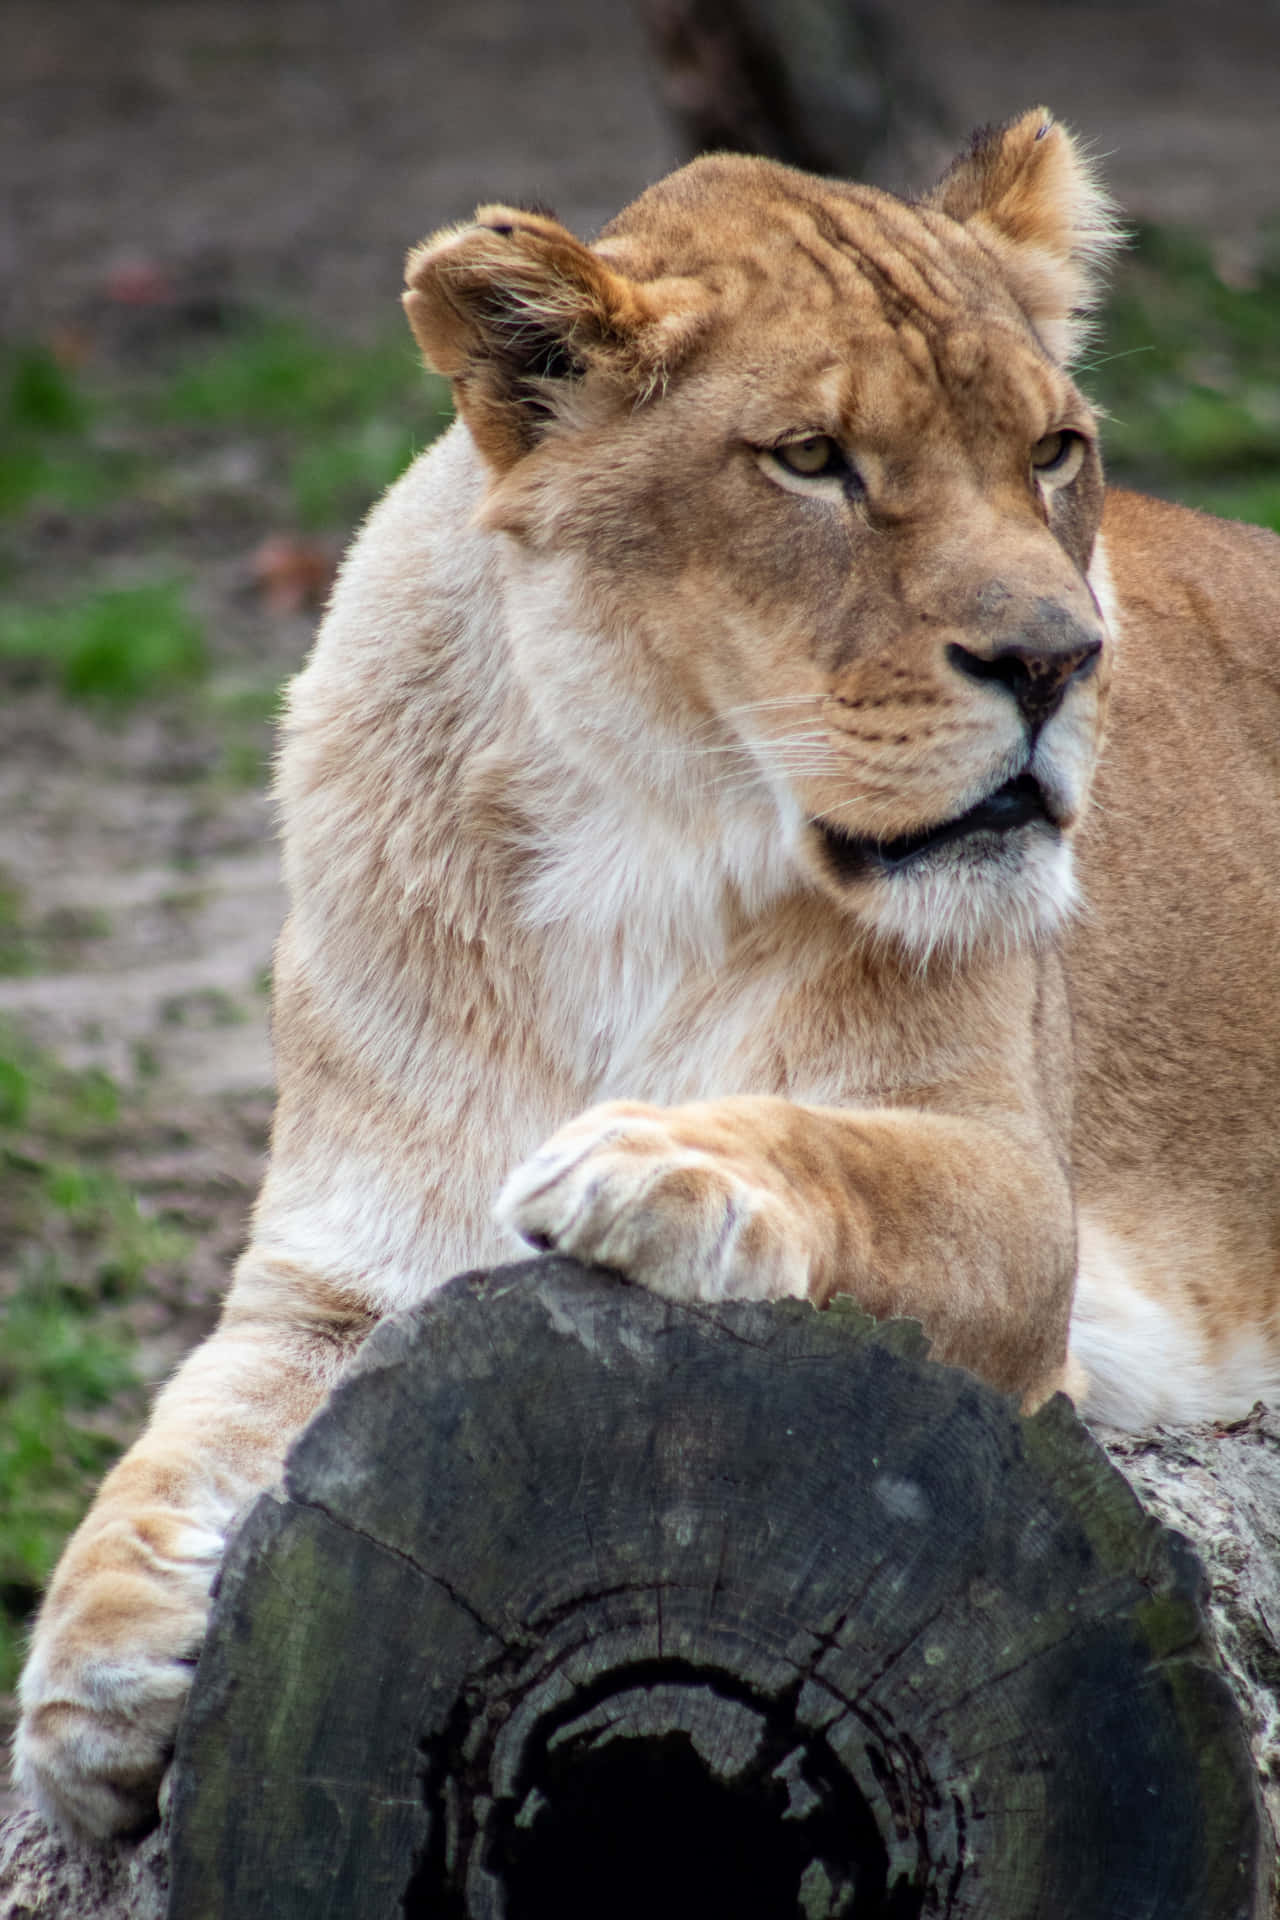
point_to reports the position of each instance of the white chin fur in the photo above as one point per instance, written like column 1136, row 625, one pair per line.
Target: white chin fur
column 950, row 903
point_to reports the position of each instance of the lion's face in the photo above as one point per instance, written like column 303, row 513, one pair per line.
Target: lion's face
column 821, row 562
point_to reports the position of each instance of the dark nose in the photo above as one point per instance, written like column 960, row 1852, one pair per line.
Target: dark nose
column 1036, row 676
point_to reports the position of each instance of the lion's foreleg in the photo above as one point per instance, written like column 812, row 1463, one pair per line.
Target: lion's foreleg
column 965, row 1225
column 117, row 1636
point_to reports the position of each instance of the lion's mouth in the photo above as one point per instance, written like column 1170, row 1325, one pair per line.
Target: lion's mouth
column 1019, row 802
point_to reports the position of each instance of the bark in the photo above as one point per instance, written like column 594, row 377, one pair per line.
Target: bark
column 1220, row 1486
column 44, row 1876
column 577, row 1596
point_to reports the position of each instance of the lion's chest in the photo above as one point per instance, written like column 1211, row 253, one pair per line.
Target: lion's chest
column 729, row 1024
column 676, row 965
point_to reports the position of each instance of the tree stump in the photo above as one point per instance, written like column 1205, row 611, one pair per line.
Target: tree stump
column 580, row 1602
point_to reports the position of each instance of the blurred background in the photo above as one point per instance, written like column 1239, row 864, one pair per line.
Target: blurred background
column 204, row 382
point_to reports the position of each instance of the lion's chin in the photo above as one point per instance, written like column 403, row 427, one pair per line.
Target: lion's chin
column 1000, row 875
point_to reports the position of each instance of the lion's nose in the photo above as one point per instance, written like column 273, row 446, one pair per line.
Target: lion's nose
column 1036, row 676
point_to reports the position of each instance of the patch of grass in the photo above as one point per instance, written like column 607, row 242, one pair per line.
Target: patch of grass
column 119, row 645
column 331, row 424
column 349, row 419
column 32, row 945
column 74, row 1242
column 205, row 1007
column 57, row 1373
column 244, row 716
column 275, row 373
column 41, row 395
column 1188, row 369
column 335, row 479
column 15, row 954
column 51, row 451
column 57, row 1126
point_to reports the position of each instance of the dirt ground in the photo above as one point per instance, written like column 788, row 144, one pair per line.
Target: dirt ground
column 290, row 149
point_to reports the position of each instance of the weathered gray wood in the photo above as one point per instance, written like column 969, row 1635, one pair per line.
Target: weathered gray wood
column 45, row 1876
column 582, row 1602
column 1221, row 1487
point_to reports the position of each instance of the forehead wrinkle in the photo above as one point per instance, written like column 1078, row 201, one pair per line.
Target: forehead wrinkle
column 918, row 275
column 921, row 269
column 789, row 265
column 834, row 284
column 895, row 300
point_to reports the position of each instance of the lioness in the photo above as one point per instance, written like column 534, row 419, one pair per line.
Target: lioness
column 702, row 736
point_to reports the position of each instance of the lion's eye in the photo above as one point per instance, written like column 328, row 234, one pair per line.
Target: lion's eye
column 812, row 459
column 1058, row 456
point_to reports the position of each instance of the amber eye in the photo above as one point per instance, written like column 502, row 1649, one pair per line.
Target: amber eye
column 813, row 458
column 1058, row 456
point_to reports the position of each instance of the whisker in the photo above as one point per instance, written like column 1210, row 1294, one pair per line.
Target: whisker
column 747, row 749
column 869, row 812
column 785, row 700
column 718, row 720
column 754, row 778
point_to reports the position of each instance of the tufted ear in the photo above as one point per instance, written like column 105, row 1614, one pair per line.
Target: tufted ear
column 1027, row 192
column 512, row 308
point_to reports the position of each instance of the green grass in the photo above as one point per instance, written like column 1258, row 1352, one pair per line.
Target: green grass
column 119, row 645
column 29, row 945
column 243, row 716
column 1187, row 367
column 15, row 945
column 57, row 1372
column 334, row 479
column 57, row 1127
column 275, row 373
column 40, row 396
column 321, row 428
column 52, row 449
column 74, row 1246
column 345, row 421
column 335, row 422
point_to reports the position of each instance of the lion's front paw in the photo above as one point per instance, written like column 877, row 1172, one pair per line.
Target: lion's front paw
column 109, row 1671
column 627, row 1186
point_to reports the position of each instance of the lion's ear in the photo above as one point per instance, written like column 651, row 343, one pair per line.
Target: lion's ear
column 512, row 306
column 1028, row 192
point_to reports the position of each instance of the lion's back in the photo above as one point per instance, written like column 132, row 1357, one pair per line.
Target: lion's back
column 1173, row 957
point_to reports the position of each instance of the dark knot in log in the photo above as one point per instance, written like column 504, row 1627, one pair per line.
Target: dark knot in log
column 659, row 1786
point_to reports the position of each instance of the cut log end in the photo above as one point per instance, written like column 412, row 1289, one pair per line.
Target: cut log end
column 581, row 1601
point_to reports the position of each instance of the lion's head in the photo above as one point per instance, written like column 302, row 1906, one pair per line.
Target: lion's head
column 799, row 503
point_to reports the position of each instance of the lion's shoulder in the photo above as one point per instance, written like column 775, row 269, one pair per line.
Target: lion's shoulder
column 1193, row 586
column 1176, row 542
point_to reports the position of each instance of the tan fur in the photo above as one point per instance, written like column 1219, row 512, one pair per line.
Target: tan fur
column 580, row 789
